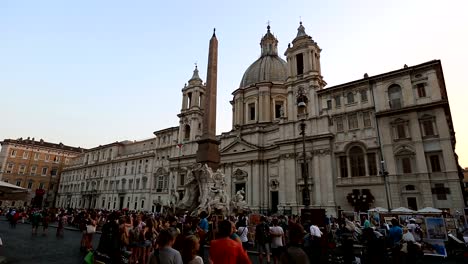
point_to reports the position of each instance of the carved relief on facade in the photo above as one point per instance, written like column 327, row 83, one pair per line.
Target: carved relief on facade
column 274, row 185
column 240, row 175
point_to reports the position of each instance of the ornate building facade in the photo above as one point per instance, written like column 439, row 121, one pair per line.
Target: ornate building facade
column 34, row 165
column 389, row 135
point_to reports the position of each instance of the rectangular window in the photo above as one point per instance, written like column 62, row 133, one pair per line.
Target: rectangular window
column 182, row 179
column 353, row 121
column 371, row 163
column 252, row 111
column 366, row 119
column 10, row 168
column 18, row 182
column 160, row 182
column 30, row 183
column 329, row 104
column 166, row 182
column 33, row 170
column 339, row 124
column 36, row 156
column 401, row 131
column 343, row 167
column 428, row 128
column 13, row 153
column 435, row 163
column 300, row 63
column 41, row 185
column 440, row 191
column 47, row 157
column 421, row 90
column 22, row 168
column 279, row 109
column 338, row 101
column 25, row 155
column 406, row 165
column 44, row 171
column 363, row 95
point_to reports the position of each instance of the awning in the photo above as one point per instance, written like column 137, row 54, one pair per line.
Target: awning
column 430, row 210
column 378, row 209
column 12, row 192
column 402, row 210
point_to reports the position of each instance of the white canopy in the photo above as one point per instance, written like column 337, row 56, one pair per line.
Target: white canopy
column 378, row 209
column 402, row 210
column 6, row 187
column 430, row 210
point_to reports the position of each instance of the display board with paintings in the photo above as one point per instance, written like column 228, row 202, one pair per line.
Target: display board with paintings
column 435, row 228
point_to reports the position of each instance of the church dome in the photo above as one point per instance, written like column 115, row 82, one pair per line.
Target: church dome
column 269, row 67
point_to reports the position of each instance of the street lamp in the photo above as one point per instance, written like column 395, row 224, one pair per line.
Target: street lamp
column 302, row 108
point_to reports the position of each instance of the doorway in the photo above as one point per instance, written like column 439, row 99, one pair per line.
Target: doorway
column 274, row 201
column 412, row 203
column 121, row 202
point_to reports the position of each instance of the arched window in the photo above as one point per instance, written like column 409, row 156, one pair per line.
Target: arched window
column 186, row 132
column 394, row 96
column 350, row 97
column 356, row 156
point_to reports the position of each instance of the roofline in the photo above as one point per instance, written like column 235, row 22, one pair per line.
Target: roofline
column 43, row 144
column 165, row 130
column 371, row 78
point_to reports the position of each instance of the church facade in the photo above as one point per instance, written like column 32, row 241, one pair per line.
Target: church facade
column 384, row 140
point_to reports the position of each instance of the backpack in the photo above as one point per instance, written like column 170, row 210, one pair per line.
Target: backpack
column 262, row 233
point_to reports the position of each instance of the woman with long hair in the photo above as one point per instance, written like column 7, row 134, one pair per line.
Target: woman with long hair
column 190, row 248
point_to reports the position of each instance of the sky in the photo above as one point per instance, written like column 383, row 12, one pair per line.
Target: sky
column 87, row 73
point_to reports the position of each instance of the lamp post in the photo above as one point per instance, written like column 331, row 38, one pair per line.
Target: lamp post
column 302, row 106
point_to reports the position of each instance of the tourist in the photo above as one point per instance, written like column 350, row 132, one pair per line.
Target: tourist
column 395, row 235
column 243, row 232
column 109, row 242
column 204, row 222
column 314, row 242
column 165, row 254
column 224, row 250
column 234, row 235
column 190, row 247
column 277, row 240
column 91, row 224
column 135, row 240
column 263, row 239
column 62, row 219
column 294, row 252
column 45, row 222
column 35, row 220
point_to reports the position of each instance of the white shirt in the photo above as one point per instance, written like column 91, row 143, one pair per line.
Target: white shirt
column 243, row 232
column 408, row 237
column 315, row 231
column 276, row 241
column 196, row 260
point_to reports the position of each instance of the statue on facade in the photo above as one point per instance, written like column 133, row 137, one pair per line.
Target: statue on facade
column 238, row 203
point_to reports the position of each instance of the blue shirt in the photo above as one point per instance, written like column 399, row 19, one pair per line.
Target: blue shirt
column 204, row 224
column 396, row 234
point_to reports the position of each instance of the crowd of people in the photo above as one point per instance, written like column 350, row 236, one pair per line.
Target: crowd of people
column 142, row 237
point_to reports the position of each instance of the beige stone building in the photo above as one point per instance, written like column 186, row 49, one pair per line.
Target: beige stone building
column 397, row 122
column 34, row 165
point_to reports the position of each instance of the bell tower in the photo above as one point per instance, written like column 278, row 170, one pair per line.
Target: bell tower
column 191, row 115
column 304, row 72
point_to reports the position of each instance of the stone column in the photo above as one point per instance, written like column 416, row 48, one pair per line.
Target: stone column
column 184, row 101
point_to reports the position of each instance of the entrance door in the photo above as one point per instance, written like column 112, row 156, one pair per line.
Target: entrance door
column 121, row 203
column 412, row 203
column 274, row 202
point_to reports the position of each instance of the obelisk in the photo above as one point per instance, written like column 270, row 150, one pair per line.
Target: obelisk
column 208, row 145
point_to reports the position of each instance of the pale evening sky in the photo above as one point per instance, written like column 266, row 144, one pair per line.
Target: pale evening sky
column 88, row 72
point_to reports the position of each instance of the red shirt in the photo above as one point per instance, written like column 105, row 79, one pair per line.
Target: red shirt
column 227, row 251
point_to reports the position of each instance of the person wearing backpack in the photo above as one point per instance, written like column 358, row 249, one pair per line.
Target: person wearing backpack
column 263, row 239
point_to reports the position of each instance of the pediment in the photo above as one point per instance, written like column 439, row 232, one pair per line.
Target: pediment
column 238, row 146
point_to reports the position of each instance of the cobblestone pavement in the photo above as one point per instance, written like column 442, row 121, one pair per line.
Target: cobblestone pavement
column 20, row 247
